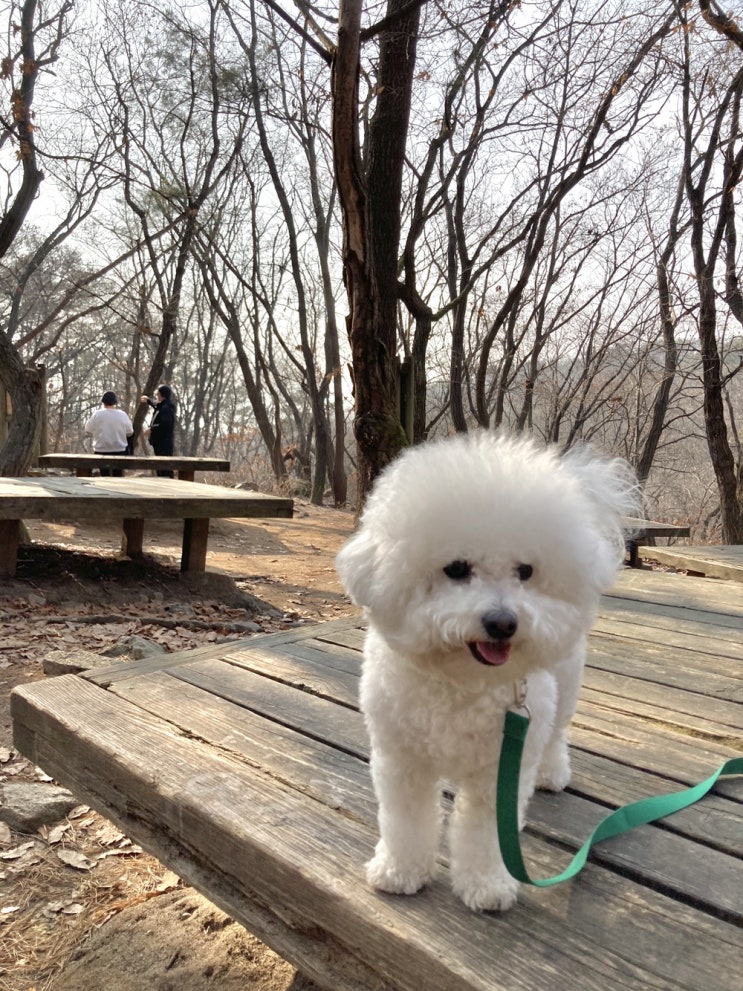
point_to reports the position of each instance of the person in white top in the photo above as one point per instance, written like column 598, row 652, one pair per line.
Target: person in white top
column 111, row 429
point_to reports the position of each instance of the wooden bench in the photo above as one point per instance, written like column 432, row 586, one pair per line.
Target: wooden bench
column 84, row 464
column 641, row 531
column 243, row 768
column 130, row 501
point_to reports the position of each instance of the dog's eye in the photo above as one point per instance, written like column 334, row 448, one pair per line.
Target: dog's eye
column 524, row 571
column 458, row 570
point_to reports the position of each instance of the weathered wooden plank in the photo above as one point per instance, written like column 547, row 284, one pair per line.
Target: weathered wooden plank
column 324, row 630
column 312, row 713
column 133, row 462
column 328, row 681
column 667, row 861
column 306, row 716
column 677, row 758
column 352, row 637
column 687, row 671
column 322, row 767
column 709, row 877
column 343, row 778
column 715, row 561
column 715, row 822
column 130, row 497
column 699, row 623
column 639, row 527
column 679, row 593
column 300, row 859
column 683, row 710
column 695, row 637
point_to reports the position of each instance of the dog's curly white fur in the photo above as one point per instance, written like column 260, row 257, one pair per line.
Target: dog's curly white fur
column 479, row 560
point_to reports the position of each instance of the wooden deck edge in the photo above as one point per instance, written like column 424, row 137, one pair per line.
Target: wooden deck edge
column 679, row 557
column 308, row 899
column 316, row 952
column 118, row 671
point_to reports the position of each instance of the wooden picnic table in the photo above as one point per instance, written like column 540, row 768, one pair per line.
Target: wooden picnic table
column 642, row 531
column 84, row 464
column 244, row 769
column 131, row 501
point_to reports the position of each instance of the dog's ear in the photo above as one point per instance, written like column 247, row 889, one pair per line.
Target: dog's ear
column 610, row 484
column 355, row 565
column 613, row 492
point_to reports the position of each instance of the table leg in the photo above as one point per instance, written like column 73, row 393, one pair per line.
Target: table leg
column 131, row 543
column 195, row 536
column 10, row 537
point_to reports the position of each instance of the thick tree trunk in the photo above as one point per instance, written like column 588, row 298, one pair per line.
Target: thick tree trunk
column 24, row 387
column 370, row 206
column 718, row 442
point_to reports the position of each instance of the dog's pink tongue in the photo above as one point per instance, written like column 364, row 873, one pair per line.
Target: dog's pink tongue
column 493, row 653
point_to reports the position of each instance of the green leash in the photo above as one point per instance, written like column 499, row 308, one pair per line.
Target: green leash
column 625, row 818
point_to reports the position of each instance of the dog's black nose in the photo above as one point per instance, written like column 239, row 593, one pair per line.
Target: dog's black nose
column 500, row 624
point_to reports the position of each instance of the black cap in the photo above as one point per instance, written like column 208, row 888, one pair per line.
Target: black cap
column 109, row 399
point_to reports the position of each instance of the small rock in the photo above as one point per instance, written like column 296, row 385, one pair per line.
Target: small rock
column 139, row 647
column 251, row 627
column 179, row 608
column 71, row 661
column 26, row 807
column 136, row 647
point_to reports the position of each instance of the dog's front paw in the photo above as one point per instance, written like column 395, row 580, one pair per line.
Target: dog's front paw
column 554, row 772
column 488, row 893
column 386, row 873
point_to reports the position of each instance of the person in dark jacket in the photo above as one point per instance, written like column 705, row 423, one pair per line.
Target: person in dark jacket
column 162, row 428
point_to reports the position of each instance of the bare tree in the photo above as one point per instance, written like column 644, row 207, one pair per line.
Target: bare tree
column 173, row 152
column 712, row 167
column 39, row 38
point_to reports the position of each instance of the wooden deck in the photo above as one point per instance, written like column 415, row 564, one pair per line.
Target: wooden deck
column 128, row 501
column 244, row 769
column 710, row 560
column 83, row 465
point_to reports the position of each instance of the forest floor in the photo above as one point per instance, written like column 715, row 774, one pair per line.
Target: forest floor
column 81, row 906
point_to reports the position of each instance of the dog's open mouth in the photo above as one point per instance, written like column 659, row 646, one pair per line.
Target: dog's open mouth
column 490, row 652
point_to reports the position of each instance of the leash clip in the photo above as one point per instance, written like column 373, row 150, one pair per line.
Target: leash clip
column 519, row 699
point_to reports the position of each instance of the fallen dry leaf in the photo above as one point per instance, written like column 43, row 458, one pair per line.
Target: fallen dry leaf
column 17, row 851
column 76, row 859
column 54, row 834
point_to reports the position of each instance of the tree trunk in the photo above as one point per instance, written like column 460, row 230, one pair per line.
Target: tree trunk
column 370, row 204
column 24, row 387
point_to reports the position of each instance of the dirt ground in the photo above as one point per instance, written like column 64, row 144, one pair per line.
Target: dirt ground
column 81, row 906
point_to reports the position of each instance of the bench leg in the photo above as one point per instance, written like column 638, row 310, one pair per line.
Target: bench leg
column 631, row 546
column 195, row 537
column 186, row 474
column 131, row 543
column 10, row 537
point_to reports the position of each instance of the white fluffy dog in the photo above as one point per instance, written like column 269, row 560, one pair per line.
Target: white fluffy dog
column 479, row 560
